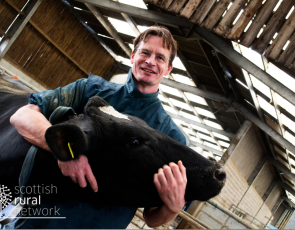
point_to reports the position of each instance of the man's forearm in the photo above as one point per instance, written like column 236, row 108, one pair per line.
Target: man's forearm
column 31, row 124
column 155, row 217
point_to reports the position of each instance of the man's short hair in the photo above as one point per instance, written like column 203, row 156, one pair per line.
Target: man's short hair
column 159, row 31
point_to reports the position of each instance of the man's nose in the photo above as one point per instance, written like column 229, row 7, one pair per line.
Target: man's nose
column 151, row 60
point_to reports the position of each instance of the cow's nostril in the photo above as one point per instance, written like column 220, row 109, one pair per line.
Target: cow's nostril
column 220, row 175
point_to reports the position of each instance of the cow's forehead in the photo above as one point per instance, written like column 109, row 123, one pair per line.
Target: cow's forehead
column 111, row 111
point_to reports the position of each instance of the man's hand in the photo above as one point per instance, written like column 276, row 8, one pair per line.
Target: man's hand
column 171, row 183
column 77, row 170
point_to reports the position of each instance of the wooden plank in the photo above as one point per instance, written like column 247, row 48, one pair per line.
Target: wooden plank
column 11, row 3
column 19, row 4
column 37, row 64
column 223, row 28
column 42, row 12
column 216, row 14
column 59, row 48
column 202, row 11
column 32, row 50
column 244, row 19
column 7, row 15
column 274, row 24
column 285, row 32
column 176, row 6
column 190, row 8
column 24, row 44
column 263, row 15
column 164, row 4
column 288, row 56
column 60, row 72
column 48, row 69
column 2, row 33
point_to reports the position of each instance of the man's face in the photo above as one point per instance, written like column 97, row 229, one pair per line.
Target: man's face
column 147, row 71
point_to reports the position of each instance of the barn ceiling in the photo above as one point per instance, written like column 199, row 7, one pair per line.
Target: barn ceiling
column 214, row 85
column 206, row 63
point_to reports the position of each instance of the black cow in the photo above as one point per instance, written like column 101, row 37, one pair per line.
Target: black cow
column 124, row 154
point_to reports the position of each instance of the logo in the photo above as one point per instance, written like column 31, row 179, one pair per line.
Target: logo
column 5, row 196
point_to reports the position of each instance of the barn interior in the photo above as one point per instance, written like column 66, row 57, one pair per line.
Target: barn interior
column 231, row 90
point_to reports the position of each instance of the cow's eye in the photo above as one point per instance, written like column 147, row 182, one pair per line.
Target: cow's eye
column 134, row 142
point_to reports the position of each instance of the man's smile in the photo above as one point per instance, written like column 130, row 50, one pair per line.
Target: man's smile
column 147, row 70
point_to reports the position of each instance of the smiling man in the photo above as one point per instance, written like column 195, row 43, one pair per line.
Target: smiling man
column 154, row 51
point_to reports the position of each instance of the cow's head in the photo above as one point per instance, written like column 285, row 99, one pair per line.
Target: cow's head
column 125, row 152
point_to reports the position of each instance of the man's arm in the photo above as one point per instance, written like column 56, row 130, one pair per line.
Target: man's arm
column 32, row 125
column 171, row 184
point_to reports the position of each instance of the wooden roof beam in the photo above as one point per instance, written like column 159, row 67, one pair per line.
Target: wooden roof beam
column 209, row 37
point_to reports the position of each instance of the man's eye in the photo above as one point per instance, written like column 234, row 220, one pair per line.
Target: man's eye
column 161, row 58
column 145, row 53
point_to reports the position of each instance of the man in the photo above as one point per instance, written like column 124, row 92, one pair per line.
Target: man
column 154, row 51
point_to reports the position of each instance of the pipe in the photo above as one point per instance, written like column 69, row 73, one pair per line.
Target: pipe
column 248, row 225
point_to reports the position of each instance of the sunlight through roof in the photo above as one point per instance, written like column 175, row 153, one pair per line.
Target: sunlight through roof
column 205, row 137
column 199, row 129
column 288, row 122
column 122, row 27
column 189, row 116
column 267, row 107
column 169, row 109
column 260, row 86
column 281, row 76
column 195, row 98
column 170, row 90
column 212, row 145
column 183, row 79
column 224, row 144
column 136, row 3
column 178, row 64
column 213, row 124
column 205, row 112
column 221, row 136
column 285, row 104
column 180, row 104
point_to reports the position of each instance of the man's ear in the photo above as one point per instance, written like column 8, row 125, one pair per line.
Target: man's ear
column 132, row 57
column 58, row 138
column 170, row 67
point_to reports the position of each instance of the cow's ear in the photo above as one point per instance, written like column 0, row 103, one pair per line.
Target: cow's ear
column 92, row 105
column 66, row 141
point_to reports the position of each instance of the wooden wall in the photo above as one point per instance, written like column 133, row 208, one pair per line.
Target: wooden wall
column 239, row 167
column 53, row 48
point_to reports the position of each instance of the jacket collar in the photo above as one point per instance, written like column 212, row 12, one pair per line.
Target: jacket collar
column 134, row 91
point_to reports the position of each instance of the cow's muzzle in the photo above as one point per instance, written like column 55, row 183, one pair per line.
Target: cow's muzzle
column 220, row 175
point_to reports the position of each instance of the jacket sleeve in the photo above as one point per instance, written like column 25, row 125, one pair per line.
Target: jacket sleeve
column 70, row 96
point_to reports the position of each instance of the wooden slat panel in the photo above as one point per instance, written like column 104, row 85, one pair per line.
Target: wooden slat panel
column 176, row 6
column 216, row 14
column 7, row 15
column 244, row 19
column 274, row 24
column 288, row 56
column 36, row 65
column 60, row 73
column 70, row 76
column 225, row 24
column 286, row 31
column 202, row 11
column 18, row 3
column 164, row 4
column 261, row 18
column 57, row 73
column 189, row 8
column 50, row 66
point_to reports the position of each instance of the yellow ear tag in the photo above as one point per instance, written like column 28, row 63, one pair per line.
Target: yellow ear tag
column 71, row 150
